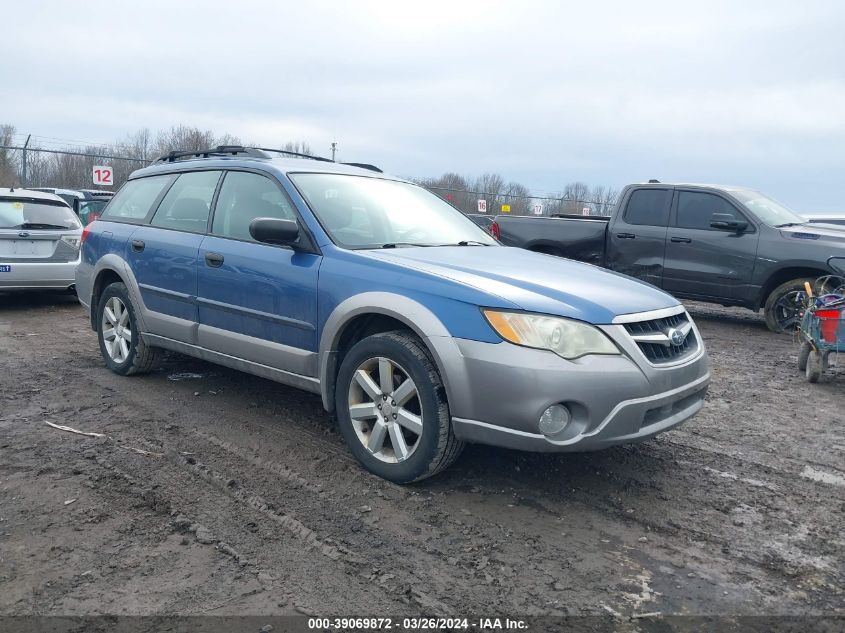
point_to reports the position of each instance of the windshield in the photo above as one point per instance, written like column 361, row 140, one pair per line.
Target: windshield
column 769, row 211
column 361, row 212
column 29, row 214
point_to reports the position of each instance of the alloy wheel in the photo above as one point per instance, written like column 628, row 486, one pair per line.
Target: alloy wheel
column 117, row 330
column 385, row 409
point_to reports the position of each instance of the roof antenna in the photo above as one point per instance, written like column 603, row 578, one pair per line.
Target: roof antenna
column 654, row 180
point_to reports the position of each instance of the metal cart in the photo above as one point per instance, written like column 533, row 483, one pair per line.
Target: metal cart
column 822, row 330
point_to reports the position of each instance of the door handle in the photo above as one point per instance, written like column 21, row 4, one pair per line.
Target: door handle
column 626, row 236
column 680, row 240
column 215, row 260
column 138, row 245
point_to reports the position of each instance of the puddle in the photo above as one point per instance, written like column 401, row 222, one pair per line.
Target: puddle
column 185, row 376
column 823, row 477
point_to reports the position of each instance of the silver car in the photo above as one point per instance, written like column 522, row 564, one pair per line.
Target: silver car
column 40, row 237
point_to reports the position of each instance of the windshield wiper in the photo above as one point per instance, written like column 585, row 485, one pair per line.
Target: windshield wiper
column 39, row 225
column 398, row 244
column 786, row 224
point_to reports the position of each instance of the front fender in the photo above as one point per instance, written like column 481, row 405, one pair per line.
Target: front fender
column 417, row 317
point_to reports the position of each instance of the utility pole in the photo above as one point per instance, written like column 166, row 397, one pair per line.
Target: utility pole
column 24, row 179
column 334, row 149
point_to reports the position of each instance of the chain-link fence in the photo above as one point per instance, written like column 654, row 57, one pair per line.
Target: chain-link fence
column 496, row 204
column 28, row 165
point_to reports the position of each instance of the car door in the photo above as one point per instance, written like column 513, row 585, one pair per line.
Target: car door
column 163, row 255
column 637, row 236
column 705, row 262
column 257, row 302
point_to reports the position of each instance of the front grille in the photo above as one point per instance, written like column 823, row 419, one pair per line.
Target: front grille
column 663, row 351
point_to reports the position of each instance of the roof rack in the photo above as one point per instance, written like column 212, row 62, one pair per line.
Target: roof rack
column 364, row 166
column 254, row 152
column 220, row 150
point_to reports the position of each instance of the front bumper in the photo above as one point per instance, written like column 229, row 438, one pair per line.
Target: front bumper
column 613, row 399
column 39, row 275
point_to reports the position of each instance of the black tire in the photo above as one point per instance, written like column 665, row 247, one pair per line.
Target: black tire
column 782, row 313
column 815, row 366
column 436, row 447
column 803, row 355
column 141, row 358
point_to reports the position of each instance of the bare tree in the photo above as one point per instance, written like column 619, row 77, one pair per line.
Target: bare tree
column 8, row 160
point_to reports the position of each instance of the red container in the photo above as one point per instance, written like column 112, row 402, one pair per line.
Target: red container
column 829, row 322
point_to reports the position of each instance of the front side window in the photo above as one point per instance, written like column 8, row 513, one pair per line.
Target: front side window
column 186, row 205
column 135, row 198
column 648, row 207
column 243, row 197
column 696, row 209
column 362, row 212
column 16, row 213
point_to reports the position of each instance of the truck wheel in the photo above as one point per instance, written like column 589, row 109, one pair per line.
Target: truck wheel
column 392, row 409
column 121, row 344
column 815, row 366
column 782, row 309
column 803, row 355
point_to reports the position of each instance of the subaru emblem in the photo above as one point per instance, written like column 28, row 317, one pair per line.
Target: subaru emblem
column 677, row 337
column 23, row 234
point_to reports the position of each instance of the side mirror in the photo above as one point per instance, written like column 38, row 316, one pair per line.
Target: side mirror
column 274, row 231
column 727, row 222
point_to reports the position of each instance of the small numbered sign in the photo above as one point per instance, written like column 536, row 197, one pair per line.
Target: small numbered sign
column 586, row 211
column 506, row 208
column 103, row 175
column 482, row 206
column 537, row 208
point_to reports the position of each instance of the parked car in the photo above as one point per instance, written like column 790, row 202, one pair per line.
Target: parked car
column 415, row 326
column 828, row 217
column 482, row 220
column 39, row 241
column 88, row 204
column 728, row 245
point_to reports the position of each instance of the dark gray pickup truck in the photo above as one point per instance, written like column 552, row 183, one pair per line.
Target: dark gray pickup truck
column 726, row 245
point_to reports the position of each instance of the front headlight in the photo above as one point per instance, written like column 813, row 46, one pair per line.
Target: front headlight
column 565, row 337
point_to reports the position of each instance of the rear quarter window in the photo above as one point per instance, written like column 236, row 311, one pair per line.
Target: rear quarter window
column 648, row 207
column 136, row 198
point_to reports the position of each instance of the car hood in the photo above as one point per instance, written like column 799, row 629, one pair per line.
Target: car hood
column 826, row 232
column 535, row 282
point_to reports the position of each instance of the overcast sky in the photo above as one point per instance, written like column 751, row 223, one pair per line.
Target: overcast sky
column 542, row 92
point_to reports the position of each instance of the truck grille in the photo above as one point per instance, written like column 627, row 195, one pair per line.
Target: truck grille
column 654, row 338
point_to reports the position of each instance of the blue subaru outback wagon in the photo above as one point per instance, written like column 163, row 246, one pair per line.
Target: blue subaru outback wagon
column 419, row 330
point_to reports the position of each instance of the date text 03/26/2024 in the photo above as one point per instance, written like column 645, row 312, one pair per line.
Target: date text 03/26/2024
column 418, row 624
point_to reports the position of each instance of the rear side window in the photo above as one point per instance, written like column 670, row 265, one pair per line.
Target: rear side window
column 135, row 198
column 29, row 214
column 649, row 207
column 243, row 197
column 696, row 209
column 186, row 205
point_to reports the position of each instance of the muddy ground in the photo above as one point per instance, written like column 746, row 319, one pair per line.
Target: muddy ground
column 214, row 492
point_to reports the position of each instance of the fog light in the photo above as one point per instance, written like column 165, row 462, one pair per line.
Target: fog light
column 554, row 419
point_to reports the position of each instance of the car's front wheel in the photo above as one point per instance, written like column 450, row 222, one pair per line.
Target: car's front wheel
column 121, row 344
column 392, row 409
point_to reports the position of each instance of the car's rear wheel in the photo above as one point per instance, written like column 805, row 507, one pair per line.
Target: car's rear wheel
column 783, row 306
column 121, row 344
column 392, row 409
